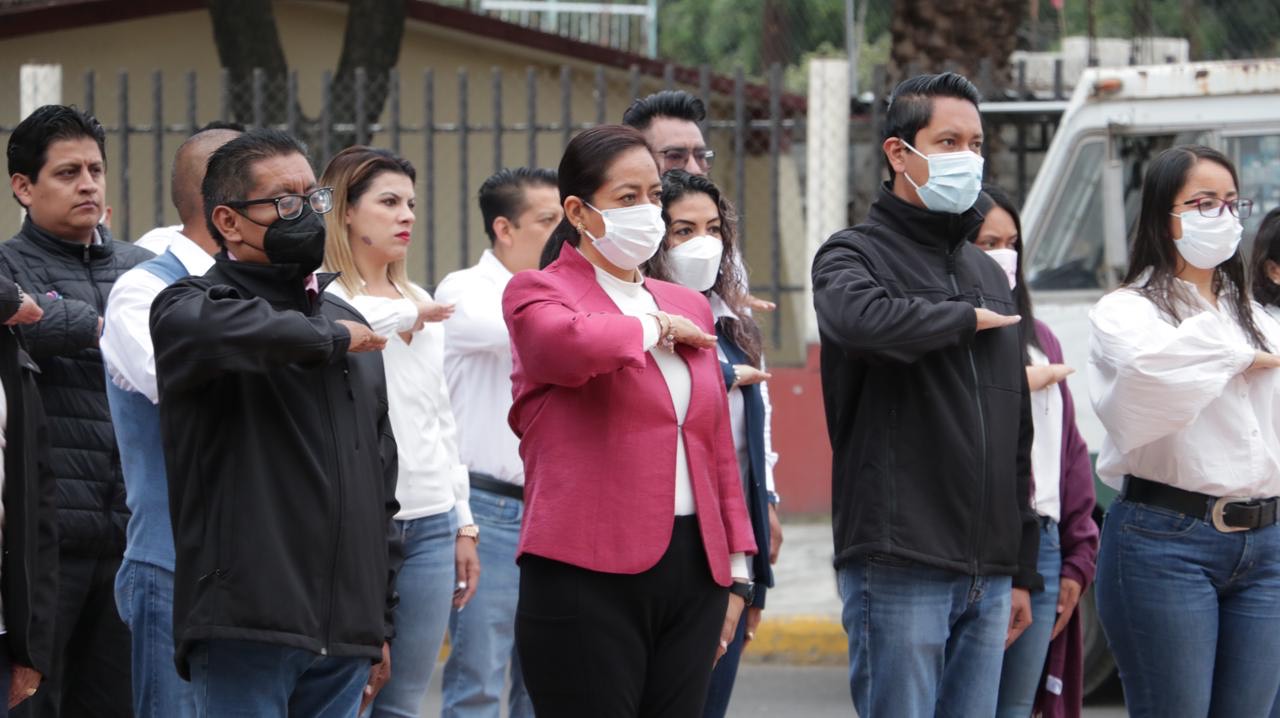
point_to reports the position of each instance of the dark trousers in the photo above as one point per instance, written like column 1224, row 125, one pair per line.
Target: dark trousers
column 90, row 674
column 595, row 644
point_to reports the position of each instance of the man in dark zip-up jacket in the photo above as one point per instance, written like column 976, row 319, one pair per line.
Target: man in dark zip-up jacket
column 280, row 459
column 66, row 261
column 929, row 418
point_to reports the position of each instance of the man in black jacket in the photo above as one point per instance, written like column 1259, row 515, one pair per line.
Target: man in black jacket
column 280, row 460
column 29, row 570
column 929, row 417
column 68, row 263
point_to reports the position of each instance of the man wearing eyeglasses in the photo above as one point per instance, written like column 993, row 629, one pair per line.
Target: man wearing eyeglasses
column 67, row 262
column 280, row 459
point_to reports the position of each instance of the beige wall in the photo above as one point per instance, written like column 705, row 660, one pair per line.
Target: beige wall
column 311, row 32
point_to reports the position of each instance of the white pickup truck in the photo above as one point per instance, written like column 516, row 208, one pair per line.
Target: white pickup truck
column 1084, row 202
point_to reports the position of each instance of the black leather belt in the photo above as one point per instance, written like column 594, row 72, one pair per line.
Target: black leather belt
column 485, row 482
column 1226, row 514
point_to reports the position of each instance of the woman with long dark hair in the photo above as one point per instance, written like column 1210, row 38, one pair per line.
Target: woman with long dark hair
column 1266, row 263
column 1051, row 650
column 1183, row 376
column 633, row 567
column 699, row 253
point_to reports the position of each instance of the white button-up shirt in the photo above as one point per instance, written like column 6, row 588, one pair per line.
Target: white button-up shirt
column 126, row 329
column 1178, row 401
column 477, row 363
column 431, row 478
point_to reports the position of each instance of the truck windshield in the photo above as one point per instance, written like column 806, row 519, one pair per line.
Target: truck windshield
column 1071, row 251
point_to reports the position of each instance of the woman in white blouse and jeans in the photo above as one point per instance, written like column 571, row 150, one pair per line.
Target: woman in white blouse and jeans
column 369, row 233
column 1182, row 375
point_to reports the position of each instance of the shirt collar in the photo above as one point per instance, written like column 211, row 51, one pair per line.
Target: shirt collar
column 720, row 309
column 608, row 281
column 196, row 260
column 491, row 264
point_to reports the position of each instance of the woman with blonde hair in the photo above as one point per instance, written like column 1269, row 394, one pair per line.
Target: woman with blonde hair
column 369, row 231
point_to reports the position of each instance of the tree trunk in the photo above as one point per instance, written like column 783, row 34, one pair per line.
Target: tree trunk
column 972, row 37
column 247, row 38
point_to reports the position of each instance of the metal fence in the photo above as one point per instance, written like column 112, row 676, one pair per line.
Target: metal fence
column 458, row 127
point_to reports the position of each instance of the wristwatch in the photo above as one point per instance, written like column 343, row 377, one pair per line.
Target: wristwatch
column 745, row 589
column 470, row 531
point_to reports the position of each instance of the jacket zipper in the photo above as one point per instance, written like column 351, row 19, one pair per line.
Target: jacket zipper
column 982, row 424
column 337, row 534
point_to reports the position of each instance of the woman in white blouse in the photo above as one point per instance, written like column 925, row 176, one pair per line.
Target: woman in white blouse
column 1182, row 375
column 369, row 233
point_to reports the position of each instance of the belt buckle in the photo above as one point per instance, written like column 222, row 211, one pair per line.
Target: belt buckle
column 1219, row 515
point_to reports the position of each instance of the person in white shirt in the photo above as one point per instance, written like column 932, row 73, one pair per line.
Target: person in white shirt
column 1266, row 263
column 370, row 228
column 1183, row 375
column 144, row 584
column 520, row 208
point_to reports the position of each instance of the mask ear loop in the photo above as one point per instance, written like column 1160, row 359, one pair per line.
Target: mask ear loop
column 904, row 171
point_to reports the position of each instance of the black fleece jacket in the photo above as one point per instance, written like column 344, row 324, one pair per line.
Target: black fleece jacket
column 929, row 420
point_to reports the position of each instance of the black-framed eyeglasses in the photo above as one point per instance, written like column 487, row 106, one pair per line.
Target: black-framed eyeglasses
column 678, row 157
column 290, row 206
column 1214, row 207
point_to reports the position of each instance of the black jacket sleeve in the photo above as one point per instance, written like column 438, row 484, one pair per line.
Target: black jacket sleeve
column 395, row 548
column 202, row 331
column 857, row 313
column 9, row 301
column 68, row 325
column 1029, row 547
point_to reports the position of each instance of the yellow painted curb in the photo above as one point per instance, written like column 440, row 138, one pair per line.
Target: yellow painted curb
column 800, row 640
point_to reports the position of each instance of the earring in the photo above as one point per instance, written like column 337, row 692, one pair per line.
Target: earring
column 581, row 227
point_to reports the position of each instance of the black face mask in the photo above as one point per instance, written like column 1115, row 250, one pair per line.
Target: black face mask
column 296, row 241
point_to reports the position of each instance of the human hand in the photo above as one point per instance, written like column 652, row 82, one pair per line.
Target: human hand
column 757, row 304
column 1068, row 597
column 466, row 567
column 731, row 616
column 432, row 312
column 748, row 375
column 1019, row 615
column 29, row 312
column 775, row 535
column 1038, row 377
column 379, row 674
column 363, row 339
column 682, row 330
column 753, row 622
column 24, row 684
column 988, row 319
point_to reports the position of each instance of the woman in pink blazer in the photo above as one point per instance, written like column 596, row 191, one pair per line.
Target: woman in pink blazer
column 633, row 549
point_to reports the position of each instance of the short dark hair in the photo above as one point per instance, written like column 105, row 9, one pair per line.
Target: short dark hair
column 911, row 104
column 221, row 125
column 503, row 194
column 230, row 173
column 28, row 148
column 1266, row 245
column 676, row 104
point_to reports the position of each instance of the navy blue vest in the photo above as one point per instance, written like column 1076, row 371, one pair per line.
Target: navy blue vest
column 149, row 536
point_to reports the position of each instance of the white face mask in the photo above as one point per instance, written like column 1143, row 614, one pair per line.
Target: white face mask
column 955, row 179
column 631, row 234
column 1008, row 261
column 1208, row 241
column 695, row 263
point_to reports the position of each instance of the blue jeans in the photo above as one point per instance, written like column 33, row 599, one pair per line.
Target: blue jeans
column 923, row 641
column 144, row 598
column 482, row 636
column 264, row 680
column 1192, row 614
column 425, row 584
column 1024, row 661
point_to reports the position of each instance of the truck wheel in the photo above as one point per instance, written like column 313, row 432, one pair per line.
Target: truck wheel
column 1099, row 666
